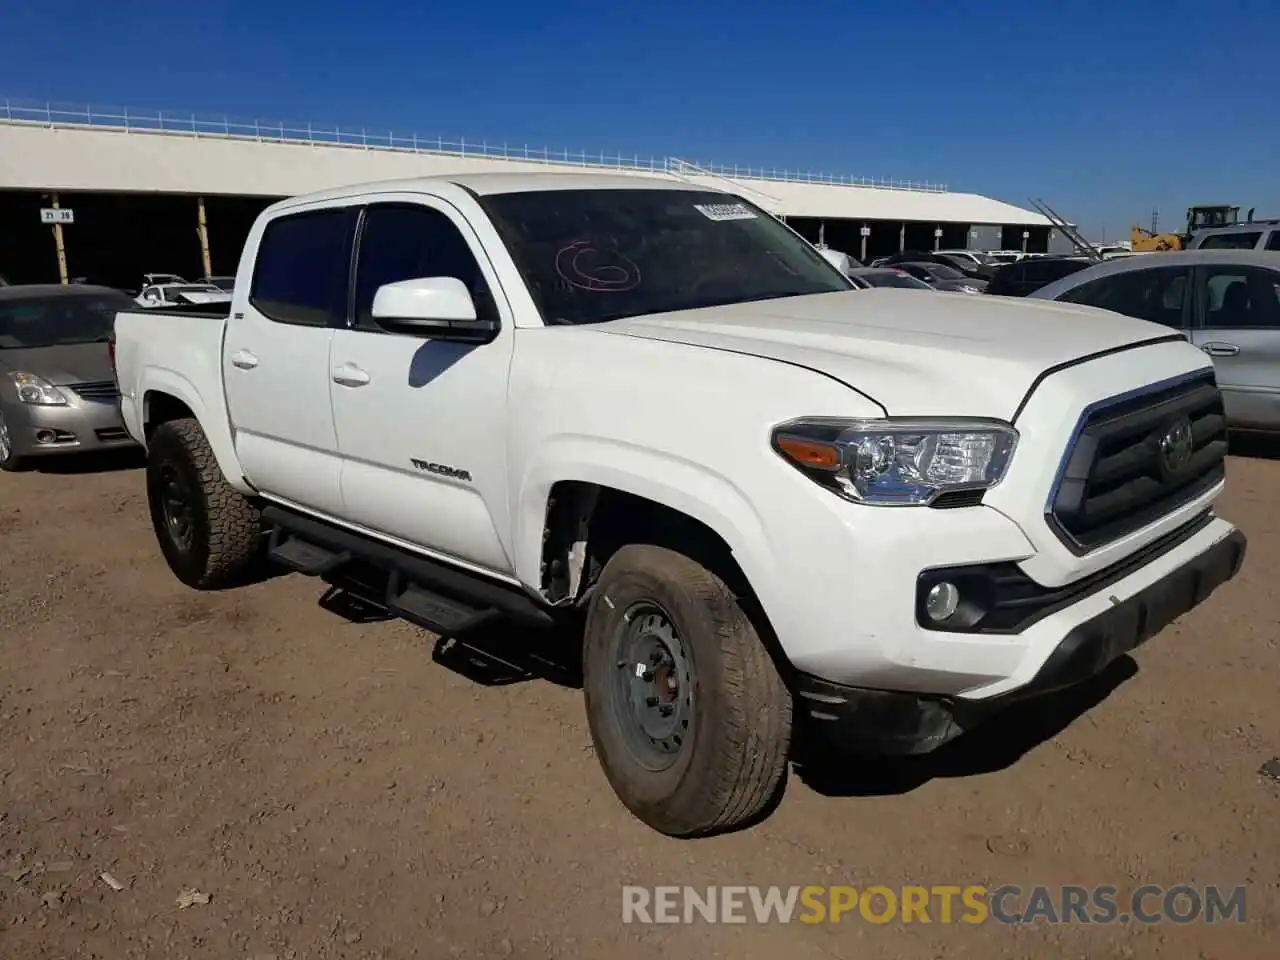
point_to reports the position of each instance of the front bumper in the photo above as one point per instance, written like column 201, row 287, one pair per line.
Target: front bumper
column 888, row 722
column 81, row 426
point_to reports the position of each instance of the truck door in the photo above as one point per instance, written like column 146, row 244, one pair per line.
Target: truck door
column 1238, row 308
column 420, row 421
column 276, row 356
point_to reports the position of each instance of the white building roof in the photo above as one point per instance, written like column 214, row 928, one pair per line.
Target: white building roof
column 50, row 150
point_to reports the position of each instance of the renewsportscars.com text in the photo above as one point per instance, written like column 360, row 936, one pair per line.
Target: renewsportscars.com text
column 941, row 903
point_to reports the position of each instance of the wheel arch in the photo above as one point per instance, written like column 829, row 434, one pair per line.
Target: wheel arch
column 169, row 397
column 584, row 523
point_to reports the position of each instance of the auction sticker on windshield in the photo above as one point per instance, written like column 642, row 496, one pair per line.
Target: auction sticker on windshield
column 725, row 211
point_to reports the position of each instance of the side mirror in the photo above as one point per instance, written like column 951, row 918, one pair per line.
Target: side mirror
column 439, row 307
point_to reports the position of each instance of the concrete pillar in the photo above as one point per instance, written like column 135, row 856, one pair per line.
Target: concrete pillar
column 202, row 231
column 58, row 245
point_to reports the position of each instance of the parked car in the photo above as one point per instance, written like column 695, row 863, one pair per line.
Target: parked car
column 1031, row 273
column 838, row 259
column 774, row 498
column 1227, row 302
column 156, row 279
column 942, row 277
column 967, row 267
column 222, row 283
column 177, row 294
column 57, row 391
column 868, row 277
column 973, row 259
column 1250, row 235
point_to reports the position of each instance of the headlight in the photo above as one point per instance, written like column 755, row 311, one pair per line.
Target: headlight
column 968, row 289
column 37, row 390
column 895, row 462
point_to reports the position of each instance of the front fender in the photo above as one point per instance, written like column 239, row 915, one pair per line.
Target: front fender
column 208, row 411
column 691, row 488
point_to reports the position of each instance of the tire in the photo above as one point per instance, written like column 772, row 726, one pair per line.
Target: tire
column 8, row 461
column 221, row 534
column 725, row 760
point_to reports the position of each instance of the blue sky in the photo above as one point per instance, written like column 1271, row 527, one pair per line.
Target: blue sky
column 1104, row 109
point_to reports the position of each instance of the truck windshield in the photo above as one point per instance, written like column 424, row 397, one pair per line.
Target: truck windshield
column 589, row 256
column 58, row 319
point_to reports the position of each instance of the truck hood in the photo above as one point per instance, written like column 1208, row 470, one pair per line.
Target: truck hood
column 61, row 365
column 914, row 353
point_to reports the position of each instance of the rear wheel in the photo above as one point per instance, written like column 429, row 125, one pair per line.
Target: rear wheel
column 690, row 718
column 208, row 532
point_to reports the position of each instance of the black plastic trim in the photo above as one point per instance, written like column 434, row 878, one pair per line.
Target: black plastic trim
column 900, row 722
column 1008, row 601
column 1147, row 407
column 450, row 581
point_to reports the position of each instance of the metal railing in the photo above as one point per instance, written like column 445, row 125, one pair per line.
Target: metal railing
column 276, row 131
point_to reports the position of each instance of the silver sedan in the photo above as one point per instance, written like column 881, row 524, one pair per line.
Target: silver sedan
column 58, row 392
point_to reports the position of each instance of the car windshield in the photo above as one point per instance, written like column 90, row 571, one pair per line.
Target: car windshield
column 893, row 278
column 225, row 284
column 588, row 256
column 50, row 321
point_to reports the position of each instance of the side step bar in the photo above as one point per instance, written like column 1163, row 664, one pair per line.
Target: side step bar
column 430, row 594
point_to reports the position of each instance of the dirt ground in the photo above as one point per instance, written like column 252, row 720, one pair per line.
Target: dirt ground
column 348, row 789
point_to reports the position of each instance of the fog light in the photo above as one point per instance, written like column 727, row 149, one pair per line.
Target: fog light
column 45, row 436
column 942, row 601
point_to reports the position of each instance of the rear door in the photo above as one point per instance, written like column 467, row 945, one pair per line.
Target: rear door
column 421, row 422
column 1238, row 324
column 276, row 357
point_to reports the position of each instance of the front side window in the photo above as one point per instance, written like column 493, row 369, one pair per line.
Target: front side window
column 1231, row 241
column 410, row 242
column 301, row 269
column 1273, row 241
column 589, row 256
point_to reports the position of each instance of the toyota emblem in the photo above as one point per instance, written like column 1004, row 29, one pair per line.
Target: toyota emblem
column 1176, row 446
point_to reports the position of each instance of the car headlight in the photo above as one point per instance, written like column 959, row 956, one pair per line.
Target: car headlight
column 897, row 462
column 966, row 288
column 37, row 390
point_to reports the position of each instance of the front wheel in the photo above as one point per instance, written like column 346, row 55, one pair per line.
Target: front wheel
column 208, row 532
column 690, row 718
column 9, row 461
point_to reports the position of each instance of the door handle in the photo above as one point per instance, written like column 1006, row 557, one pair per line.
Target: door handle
column 1216, row 348
column 244, row 360
column 349, row 375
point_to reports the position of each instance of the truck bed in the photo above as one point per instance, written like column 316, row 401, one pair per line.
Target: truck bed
column 180, row 352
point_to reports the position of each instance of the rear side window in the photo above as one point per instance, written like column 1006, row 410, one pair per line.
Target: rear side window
column 1240, row 298
column 301, row 271
column 1155, row 295
column 1273, row 242
column 1231, row 241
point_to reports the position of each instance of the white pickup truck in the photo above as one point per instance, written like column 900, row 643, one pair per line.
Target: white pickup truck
column 776, row 499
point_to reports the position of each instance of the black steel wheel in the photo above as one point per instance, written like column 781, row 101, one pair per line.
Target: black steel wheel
column 208, row 532
column 689, row 715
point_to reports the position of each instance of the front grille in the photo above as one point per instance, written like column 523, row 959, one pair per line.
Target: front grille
column 96, row 390
column 1137, row 458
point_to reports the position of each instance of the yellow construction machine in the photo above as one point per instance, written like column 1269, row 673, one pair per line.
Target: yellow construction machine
column 1198, row 218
